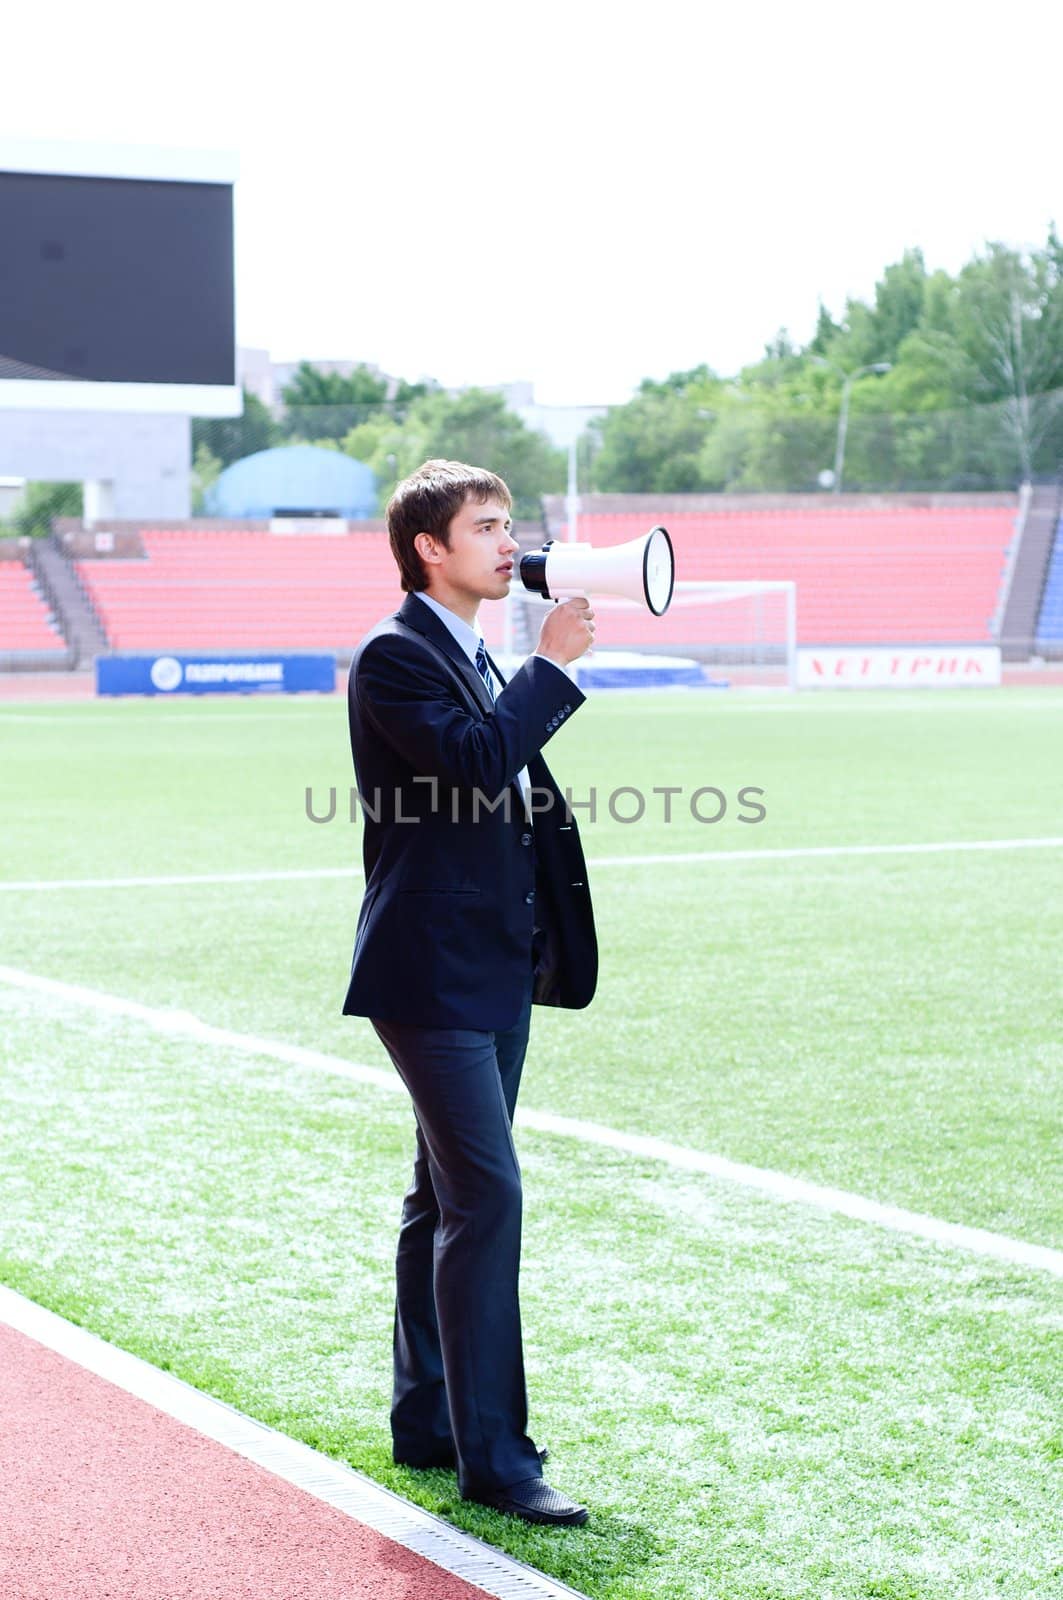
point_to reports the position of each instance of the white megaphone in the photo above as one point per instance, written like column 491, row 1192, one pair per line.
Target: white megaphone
column 642, row 570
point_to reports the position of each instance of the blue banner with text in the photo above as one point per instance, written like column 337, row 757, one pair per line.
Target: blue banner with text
column 203, row 674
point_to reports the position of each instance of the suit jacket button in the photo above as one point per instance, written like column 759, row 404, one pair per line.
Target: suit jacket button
column 568, row 708
column 525, row 838
column 529, row 897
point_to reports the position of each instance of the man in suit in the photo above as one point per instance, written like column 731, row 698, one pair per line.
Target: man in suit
column 476, row 906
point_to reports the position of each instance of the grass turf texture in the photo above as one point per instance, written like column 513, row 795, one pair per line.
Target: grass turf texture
column 756, row 1399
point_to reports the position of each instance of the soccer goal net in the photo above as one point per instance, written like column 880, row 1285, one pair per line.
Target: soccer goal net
column 746, row 626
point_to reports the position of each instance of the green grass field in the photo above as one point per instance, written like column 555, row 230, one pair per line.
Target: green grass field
column 759, row 1399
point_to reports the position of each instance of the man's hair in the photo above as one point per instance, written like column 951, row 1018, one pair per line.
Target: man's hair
column 426, row 501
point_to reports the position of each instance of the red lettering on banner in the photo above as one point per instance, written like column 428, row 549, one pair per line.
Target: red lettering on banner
column 926, row 665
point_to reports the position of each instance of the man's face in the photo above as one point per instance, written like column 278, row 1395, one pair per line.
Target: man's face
column 479, row 564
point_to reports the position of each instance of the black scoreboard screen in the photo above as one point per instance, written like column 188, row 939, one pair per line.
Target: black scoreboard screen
column 116, row 280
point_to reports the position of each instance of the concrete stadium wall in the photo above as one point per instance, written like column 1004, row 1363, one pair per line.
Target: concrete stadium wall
column 135, row 465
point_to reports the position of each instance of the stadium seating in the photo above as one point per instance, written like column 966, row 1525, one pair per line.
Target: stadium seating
column 880, row 575
column 26, row 623
column 1050, row 617
column 224, row 589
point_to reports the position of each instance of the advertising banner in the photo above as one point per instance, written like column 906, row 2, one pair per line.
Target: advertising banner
column 898, row 667
column 207, row 674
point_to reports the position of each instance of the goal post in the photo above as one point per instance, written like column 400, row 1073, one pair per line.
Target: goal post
column 746, row 625
column 741, row 622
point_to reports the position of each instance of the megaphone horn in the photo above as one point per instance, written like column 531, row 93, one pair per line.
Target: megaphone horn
column 642, row 570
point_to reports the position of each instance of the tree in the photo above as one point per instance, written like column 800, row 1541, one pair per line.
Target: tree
column 652, row 445
column 206, row 470
column 39, row 503
column 405, row 395
column 827, row 331
column 474, row 426
column 899, row 301
column 695, row 383
column 875, row 333
column 1009, row 324
column 229, row 439
column 325, row 405
column 764, row 441
column 380, row 444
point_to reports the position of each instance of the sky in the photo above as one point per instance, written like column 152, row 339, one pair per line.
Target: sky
column 574, row 194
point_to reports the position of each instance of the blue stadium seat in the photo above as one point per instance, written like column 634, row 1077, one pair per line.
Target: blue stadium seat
column 1050, row 621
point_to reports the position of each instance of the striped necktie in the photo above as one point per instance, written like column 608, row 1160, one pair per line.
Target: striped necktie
column 483, row 669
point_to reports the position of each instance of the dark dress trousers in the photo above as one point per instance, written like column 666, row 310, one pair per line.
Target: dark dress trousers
column 470, row 914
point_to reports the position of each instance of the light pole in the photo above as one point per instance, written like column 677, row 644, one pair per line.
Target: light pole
column 843, row 417
column 572, row 496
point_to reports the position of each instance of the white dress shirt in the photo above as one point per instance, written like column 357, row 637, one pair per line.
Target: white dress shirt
column 470, row 641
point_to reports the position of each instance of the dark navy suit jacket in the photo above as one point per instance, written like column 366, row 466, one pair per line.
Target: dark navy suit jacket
column 457, row 880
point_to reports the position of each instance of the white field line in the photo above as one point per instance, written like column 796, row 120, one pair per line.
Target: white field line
column 319, row 1475
column 65, row 724
column 944, row 847
column 123, row 711
column 780, row 1186
column 736, row 702
column 716, row 857
column 181, row 880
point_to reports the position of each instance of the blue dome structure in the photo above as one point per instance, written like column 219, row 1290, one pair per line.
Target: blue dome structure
column 300, row 480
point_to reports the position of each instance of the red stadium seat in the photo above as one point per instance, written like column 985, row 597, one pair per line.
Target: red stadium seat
column 876, row 575
column 244, row 589
column 881, row 575
column 26, row 623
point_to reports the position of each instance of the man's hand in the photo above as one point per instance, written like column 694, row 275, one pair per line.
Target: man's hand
column 567, row 632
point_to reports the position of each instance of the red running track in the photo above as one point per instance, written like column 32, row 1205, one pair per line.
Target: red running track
column 103, row 1497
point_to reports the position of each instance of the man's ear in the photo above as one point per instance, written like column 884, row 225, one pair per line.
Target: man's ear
column 426, row 548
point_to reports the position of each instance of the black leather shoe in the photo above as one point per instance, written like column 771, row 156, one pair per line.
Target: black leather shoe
column 533, row 1500
column 445, row 1459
